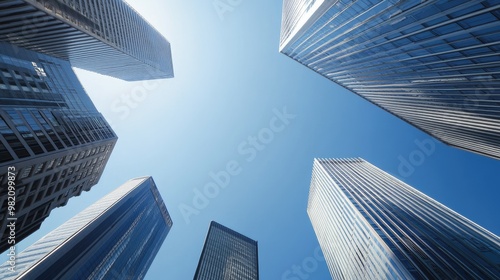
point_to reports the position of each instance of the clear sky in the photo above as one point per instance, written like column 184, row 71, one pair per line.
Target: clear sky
column 231, row 84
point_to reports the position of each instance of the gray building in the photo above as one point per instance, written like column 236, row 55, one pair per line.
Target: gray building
column 52, row 139
column 115, row 238
column 107, row 37
column 227, row 255
column 434, row 64
column 371, row 225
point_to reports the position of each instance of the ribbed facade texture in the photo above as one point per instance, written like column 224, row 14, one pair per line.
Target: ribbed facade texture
column 227, row 255
column 107, row 37
column 51, row 136
column 370, row 225
column 115, row 238
column 434, row 64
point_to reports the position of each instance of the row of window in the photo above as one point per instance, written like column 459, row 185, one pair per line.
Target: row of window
column 30, row 192
column 55, row 163
column 21, row 81
column 40, row 137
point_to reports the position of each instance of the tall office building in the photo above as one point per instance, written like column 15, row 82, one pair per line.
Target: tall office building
column 51, row 136
column 370, row 225
column 227, row 255
column 115, row 238
column 434, row 64
column 107, row 37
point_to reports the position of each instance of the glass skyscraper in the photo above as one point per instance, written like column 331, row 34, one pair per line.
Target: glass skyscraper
column 51, row 136
column 115, row 238
column 371, row 225
column 107, row 37
column 434, row 64
column 227, row 255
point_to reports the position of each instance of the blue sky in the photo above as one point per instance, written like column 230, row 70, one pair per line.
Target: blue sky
column 231, row 84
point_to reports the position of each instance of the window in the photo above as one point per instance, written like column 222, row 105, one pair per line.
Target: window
column 39, row 168
column 26, row 172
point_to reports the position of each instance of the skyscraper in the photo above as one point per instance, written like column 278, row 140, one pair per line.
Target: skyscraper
column 115, row 238
column 370, row 225
column 107, row 37
column 52, row 138
column 227, row 255
column 434, row 64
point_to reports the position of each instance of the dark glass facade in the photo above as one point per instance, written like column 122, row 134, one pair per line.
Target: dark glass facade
column 107, row 37
column 50, row 133
column 370, row 225
column 227, row 255
column 115, row 238
column 434, row 64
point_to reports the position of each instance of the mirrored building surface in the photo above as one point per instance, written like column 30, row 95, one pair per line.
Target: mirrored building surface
column 227, row 255
column 107, row 37
column 115, row 238
column 371, row 225
column 434, row 64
